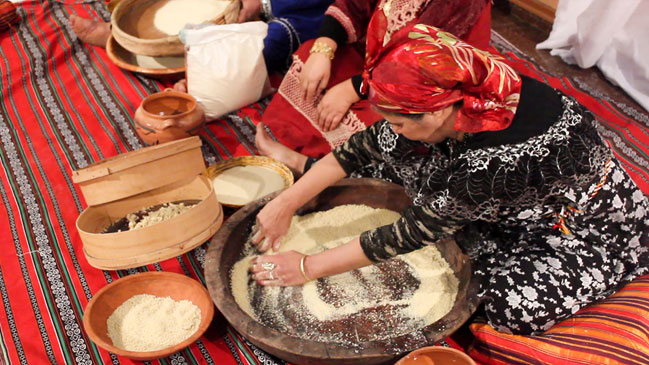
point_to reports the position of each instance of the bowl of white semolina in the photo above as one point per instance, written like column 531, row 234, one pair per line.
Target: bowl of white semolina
column 369, row 316
column 240, row 180
column 148, row 316
column 151, row 27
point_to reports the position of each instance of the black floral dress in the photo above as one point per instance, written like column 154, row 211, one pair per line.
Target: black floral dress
column 548, row 216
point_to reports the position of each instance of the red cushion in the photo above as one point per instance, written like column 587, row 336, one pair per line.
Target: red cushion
column 614, row 331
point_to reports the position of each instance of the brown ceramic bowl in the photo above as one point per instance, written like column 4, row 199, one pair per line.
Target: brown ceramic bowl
column 169, row 68
column 436, row 355
column 160, row 284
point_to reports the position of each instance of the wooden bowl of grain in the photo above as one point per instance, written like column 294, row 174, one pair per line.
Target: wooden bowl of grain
column 160, row 284
column 150, row 27
column 226, row 249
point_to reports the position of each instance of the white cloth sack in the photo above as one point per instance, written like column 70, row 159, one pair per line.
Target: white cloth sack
column 225, row 65
column 612, row 34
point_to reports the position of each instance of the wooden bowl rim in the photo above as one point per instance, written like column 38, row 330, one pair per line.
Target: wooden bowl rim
column 249, row 327
column 165, row 40
column 216, row 169
column 206, row 318
column 112, row 43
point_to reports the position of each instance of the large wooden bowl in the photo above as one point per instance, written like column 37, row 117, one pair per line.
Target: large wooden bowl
column 132, row 26
column 174, row 70
column 161, row 284
column 225, row 251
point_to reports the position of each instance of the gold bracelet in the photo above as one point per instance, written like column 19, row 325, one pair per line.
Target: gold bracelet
column 322, row 47
column 302, row 268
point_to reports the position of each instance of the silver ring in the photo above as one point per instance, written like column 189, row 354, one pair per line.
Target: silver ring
column 269, row 266
column 272, row 277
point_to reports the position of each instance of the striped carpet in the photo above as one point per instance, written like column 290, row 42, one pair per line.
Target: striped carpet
column 64, row 106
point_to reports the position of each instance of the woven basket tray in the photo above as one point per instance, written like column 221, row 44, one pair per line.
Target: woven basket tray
column 217, row 168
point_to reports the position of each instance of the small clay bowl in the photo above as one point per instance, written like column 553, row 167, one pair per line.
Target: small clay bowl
column 436, row 355
column 167, row 116
column 160, row 284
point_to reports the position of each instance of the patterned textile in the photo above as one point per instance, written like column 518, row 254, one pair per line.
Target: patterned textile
column 63, row 106
column 424, row 69
column 615, row 331
column 551, row 222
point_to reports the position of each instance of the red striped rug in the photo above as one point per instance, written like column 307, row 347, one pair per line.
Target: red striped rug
column 64, row 106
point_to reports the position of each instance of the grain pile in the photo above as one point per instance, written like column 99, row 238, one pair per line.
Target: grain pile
column 148, row 323
column 174, row 14
column 150, row 216
column 165, row 212
column 375, row 303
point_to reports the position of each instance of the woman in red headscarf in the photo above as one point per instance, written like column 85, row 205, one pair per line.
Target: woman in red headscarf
column 512, row 170
column 320, row 103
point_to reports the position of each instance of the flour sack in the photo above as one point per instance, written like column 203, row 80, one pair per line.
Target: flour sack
column 225, row 65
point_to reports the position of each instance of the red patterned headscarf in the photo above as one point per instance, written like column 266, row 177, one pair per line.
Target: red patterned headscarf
column 423, row 69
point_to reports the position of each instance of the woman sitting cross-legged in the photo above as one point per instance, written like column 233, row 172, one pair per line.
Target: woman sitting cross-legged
column 321, row 100
column 511, row 169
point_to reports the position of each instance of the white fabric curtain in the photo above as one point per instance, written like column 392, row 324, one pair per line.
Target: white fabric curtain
column 611, row 34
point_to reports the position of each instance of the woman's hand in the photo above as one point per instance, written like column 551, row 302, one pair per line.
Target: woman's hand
column 316, row 71
column 315, row 75
column 282, row 269
column 335, row 104
column 273, row 222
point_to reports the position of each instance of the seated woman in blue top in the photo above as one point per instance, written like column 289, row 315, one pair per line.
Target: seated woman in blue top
column 290, row 22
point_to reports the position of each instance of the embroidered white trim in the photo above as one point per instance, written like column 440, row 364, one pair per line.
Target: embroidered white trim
column 344, row 20
column 291, row 90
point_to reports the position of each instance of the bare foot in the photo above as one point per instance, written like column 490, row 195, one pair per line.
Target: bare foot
column 90, row 31
column 273, row 149
column 181, row 86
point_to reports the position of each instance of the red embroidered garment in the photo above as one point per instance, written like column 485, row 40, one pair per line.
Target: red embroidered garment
column 423, row 69
column 294, row 120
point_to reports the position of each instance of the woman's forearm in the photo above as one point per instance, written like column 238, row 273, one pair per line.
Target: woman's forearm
column 337, row 260
column 323, row 174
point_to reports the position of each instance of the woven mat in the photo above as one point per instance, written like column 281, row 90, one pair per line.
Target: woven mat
column 63, row 106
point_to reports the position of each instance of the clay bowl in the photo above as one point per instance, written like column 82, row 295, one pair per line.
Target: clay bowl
column 161, row 284
column 133, row 27
column 169, row 68
column 436, row 355
column 167, row 116
column 225, row 250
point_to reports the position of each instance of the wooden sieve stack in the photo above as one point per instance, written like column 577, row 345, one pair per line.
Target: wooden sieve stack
column 136, row 180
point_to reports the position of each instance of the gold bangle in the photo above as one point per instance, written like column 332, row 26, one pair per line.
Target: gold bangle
column 302, row 269
column 322, row 47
